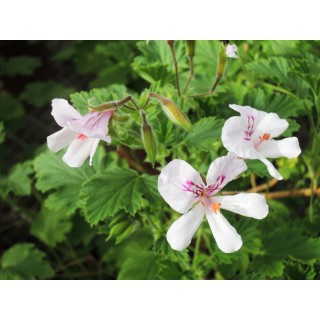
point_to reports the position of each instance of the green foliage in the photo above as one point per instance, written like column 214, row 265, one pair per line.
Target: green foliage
column 39, row 94
column 108, row 220
column 24, row 261
column 65, row 183
column 19, row 66
column 123, row 189
column 51, row 227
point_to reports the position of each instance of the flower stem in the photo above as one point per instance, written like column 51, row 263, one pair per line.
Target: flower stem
column 191, row 74
column 171, row 46
column 204, row 94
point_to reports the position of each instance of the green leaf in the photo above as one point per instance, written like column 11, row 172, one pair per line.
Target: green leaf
column 24, row 261
column 20, row 66
column 119, row 189
column 51, row 227
column 19, row 181
column 54, row 175
column 156, row 62
column 204, row 133
column 268, row 266
column 40, row 94
column 10, row 108
column 133, row 269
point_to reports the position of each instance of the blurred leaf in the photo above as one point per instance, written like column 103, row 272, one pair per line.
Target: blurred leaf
column 19, row 66
column 39, row 94
column 24, row 261
column 51, row 227
column 133, row 269
column 19, row 181
column 10, row 108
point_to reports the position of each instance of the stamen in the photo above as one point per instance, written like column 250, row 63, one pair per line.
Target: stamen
column 81, row 136
column 265, row 137
column 216, row 207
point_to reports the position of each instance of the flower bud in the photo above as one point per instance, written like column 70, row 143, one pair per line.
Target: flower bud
column 174, row 113
column 191, row 48
column 111, row 105
column 222, row 61
column 148, row 140
column 121, row 118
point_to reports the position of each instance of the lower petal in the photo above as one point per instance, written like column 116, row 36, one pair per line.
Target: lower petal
column 252, row 205
column 78, row 152
column 93, row 150
column 182, row 230
column 60, row 139
column 271, row 169
column 288, row 147
column 226, row 236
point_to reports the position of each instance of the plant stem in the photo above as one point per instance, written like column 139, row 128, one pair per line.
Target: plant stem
column 253, row 182
column 215, row 84
column 191, row 74
column 171, row 46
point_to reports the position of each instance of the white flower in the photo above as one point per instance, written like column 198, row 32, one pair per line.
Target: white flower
column 81, row 133
column 232, row 51
column 250, row 136
column 183, row 189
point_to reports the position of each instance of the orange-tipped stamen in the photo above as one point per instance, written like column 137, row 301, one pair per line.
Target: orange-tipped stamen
column 216, row 207
column 265, row 137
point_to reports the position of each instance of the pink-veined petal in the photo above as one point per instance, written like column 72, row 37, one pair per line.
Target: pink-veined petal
column 224, row 169
column 288, row 147
column 78, row 152
column 250, row 113
column 172, row 181
column 234, row 139
column 252, row 205
column 60, row 139
column 182, row 230
column 63, row 112
column 226, row 236
column 94, row 125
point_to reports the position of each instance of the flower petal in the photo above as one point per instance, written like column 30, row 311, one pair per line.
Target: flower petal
column 288, row 147
column 94, row 125
column 234, row 139
column 171, row 182
column 93, row 150
column 60, row 139
column 78, row 152
column 271, row 169
column 224, row 169
column 226, row 236
column 252, row 205
column 271, row 124
column 182, row 230
column 249, row 112
column 63, row 112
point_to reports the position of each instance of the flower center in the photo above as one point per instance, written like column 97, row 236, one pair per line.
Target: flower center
column 81, row 136
column 265, row 137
